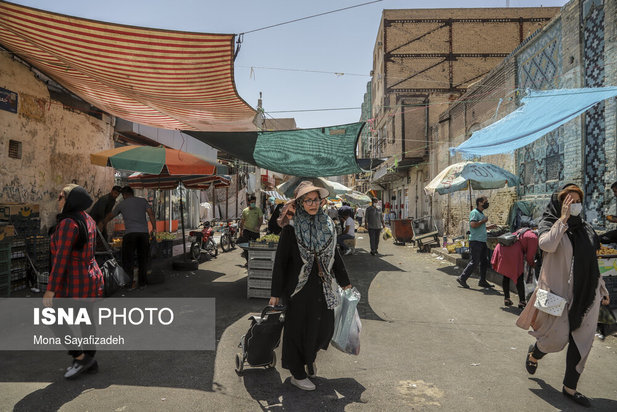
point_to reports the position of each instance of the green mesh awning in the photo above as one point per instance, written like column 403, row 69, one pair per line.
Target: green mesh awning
column 323, row 151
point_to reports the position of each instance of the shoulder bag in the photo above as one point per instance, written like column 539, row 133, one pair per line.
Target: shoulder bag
column 549, row 303
column 114, row 277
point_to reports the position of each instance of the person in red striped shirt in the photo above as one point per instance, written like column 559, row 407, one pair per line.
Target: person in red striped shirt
column 74, row 271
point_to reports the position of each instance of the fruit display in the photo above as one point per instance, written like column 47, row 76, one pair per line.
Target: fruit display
column 165, row 236
column 271, row 238
column 606, row 251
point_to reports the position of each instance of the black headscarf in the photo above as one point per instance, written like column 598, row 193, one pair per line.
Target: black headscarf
column 76, row 201
column 585, row 242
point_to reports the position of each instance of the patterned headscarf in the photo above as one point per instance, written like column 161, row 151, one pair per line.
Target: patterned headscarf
column 316, row 236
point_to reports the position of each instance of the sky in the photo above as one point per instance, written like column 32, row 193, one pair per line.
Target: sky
column 339, row 44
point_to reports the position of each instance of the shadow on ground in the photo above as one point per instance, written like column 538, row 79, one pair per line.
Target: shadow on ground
column 554, row 397
column 187, row 369
column 272, row 394
column 362, row 268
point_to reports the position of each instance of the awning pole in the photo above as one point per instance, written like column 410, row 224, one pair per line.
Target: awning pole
column 227, row 203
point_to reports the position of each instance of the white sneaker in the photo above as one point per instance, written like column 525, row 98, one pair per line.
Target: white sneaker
column 304, row 384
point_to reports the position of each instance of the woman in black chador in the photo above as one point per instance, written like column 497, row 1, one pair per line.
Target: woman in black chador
column 307, row 268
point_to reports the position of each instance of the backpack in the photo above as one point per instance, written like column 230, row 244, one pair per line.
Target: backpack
column 508, row 239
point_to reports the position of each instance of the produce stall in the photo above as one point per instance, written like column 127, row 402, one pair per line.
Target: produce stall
column 607, row 263
column 261, row 254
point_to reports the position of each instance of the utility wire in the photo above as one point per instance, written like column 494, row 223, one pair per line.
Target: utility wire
column 310, row 17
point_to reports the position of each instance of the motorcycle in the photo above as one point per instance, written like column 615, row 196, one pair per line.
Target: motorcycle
column 229, row 236
column 203, row 241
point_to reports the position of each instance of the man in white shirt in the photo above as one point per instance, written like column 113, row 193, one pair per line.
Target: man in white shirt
column 359, row 215
column 349, row 230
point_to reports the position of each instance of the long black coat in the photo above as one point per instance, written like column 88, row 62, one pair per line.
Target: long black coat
column 309, row 324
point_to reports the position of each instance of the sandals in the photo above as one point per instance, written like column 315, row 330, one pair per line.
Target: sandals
column 507, row 302
column 530, row 365
column 522, row 304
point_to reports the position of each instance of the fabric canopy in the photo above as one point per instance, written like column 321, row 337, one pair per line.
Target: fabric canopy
column 278, row 198
column 166, row 181
column 323, row 151
column 540, row 112
column 159, row 78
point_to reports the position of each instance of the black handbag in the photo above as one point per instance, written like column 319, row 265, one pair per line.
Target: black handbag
column 507, row 239
column 114, row 277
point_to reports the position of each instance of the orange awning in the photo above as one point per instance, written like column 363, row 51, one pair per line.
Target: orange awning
column 160, row 78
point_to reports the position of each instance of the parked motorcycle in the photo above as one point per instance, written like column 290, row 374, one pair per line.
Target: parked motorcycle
column 203, row 241
column 229, row 236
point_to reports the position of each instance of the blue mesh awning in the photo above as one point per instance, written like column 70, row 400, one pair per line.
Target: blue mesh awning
column 541, row 112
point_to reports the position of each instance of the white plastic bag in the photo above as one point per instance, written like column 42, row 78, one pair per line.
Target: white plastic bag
column 347, row 324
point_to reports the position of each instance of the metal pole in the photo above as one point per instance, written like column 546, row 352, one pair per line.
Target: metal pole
column 470, row 203
column 226, row 202
column 237, row 188
column 182, row 220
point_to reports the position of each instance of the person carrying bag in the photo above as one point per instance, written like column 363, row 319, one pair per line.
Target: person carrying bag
column 114, row 276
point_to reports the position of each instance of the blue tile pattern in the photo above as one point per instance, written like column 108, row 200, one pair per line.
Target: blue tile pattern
column 539, row 66
column 595, row 130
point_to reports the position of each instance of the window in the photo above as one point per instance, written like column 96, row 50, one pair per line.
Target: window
column 14, row 149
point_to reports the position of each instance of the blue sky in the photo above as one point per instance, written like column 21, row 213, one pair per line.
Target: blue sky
column 341, row 42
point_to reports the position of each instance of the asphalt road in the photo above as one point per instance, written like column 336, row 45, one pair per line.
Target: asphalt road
column 426, row 344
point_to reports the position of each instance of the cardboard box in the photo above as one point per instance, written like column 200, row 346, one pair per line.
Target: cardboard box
column 608, row 266
column 6, row 232
column 11, row 211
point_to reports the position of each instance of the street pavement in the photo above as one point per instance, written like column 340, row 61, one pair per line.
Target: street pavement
column 426, row 344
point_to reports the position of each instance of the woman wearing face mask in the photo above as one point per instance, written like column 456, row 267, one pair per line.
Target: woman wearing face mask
column 569, row 270
column 307, row 263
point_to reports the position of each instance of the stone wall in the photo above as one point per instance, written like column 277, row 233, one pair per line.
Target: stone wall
column 56, row 141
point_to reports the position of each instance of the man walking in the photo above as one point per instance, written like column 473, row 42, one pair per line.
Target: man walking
column 477, row 244
column 250, row 224
column 359, row 215
column 104, row 206
column 374, row 223
column 134, row 210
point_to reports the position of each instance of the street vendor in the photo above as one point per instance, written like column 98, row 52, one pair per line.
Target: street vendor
column 477, row 244
column 250, row 224
column 611, row 236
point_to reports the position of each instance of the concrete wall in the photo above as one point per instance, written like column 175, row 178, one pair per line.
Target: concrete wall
column 56, row 144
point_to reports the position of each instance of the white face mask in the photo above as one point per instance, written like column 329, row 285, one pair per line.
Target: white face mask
column 576, row 209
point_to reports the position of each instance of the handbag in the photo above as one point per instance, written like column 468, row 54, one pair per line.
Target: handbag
column 114, row 277
column 549, row 303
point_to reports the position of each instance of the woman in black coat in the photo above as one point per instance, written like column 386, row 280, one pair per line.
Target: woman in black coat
column 307, row 268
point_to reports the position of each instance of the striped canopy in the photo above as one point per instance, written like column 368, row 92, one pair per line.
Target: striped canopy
column 165, row 181
column 160, row 78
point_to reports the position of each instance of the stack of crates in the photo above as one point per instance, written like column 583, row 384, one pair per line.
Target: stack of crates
column 5, row 268
column 19, row 264
column 38, row 250
column 260, row 265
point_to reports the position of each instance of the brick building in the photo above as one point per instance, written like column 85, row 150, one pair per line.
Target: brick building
column 424, row 59
column 577, row 48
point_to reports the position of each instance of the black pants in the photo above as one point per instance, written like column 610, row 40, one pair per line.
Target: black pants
column 520, row 287
column 373, row 235
column 247, row 236
column 139, row 242
column 479, row 256
column 573, row 357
